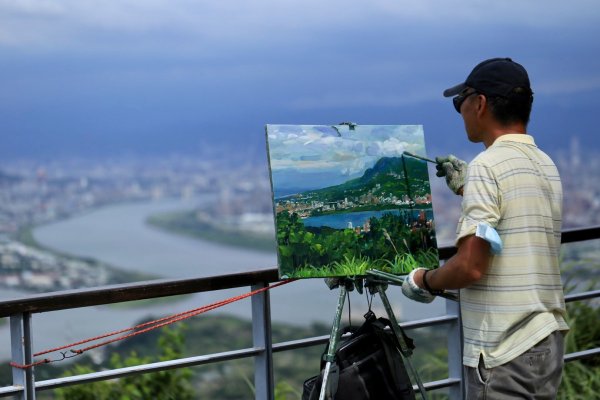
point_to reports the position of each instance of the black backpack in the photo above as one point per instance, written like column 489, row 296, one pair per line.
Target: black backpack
column 368, row 365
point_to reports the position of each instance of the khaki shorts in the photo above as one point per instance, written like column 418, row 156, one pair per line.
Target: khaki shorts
column 535, row 374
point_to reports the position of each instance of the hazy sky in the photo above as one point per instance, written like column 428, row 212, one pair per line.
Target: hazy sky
column 81, row 77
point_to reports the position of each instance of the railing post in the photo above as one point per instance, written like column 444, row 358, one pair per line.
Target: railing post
column 455, row 353
column 261, row 336
column 20, row 340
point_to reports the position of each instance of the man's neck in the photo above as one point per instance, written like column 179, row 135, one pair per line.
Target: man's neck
column 499, row 130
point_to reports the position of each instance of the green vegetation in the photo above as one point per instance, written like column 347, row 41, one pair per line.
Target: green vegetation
column 390, row 175
column 229, row 380
column 404, row 263
column 170, row 384
column 581, row 378
column 186, row 223
column 396, row 242
column 347, row 267
column 392, row 244
column 234, row 379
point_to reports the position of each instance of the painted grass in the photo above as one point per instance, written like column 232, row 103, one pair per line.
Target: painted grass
column 358, row 266
column 349, row 267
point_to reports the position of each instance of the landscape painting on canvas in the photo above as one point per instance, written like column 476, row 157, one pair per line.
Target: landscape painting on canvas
column 347, row 198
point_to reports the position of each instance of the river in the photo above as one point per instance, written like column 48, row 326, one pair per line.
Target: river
column 119, row 235
column 359, row 218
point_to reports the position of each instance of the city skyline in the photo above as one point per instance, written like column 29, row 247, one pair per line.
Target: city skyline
column 71, row 188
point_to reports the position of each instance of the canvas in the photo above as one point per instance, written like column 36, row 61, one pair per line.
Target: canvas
column 348, row 198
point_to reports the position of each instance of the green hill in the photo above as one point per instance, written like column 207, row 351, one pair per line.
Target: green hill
column 386, row 177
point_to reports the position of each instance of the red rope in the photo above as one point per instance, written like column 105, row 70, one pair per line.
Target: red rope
column 148, row 326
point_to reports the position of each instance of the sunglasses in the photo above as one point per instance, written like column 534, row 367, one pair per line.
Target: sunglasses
column 460, row 99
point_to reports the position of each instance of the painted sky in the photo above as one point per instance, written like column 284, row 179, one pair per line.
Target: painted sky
column 305, row 156
column 82, row 77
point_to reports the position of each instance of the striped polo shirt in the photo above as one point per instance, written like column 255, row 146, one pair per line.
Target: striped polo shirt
column 515, row 188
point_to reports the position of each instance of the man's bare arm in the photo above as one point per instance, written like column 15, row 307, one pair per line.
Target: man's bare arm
column 463, row 269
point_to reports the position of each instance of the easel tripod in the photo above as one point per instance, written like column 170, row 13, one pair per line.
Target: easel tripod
column 376, row 282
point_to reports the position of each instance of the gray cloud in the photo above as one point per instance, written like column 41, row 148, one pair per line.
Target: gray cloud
column 132, row 68
column 60, row 23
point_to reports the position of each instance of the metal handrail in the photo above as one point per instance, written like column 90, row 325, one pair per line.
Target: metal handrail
column 67, row 299
column 22, row 308
column 582, row 296
column 101, row 295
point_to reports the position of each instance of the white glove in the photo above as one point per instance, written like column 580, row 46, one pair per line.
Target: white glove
column 454, row 169
column 413, row 292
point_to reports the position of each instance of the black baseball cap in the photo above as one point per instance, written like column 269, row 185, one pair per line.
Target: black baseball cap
column 494, row 77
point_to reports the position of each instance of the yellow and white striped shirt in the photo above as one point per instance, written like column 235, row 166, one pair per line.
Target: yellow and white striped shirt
column 515, row 188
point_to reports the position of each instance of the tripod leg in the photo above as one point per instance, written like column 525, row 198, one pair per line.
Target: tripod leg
column 404, row 349
column 333, row 341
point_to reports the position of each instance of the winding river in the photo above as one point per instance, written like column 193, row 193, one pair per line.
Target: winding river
column 119, row 236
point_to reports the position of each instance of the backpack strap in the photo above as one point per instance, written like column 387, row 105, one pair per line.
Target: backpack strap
column 404, row 345
column 388, row 344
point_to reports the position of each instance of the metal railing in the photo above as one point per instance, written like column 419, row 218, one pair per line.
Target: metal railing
column 20, row 311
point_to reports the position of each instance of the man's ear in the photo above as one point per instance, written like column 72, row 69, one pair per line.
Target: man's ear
column 481, row 105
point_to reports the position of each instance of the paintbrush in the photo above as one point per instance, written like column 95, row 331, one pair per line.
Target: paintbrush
column 419, row 157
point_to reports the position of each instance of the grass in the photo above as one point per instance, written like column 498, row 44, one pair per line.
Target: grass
column 402, row 264
column 358, row 266
column 581, row 379
column 351, row 266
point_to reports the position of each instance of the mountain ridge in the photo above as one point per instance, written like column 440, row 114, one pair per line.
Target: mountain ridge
column 385, row 176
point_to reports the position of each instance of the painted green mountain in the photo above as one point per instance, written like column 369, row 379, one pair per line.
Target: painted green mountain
column 384, row 180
